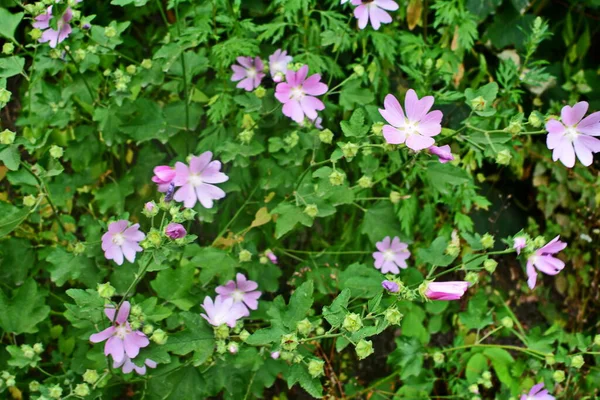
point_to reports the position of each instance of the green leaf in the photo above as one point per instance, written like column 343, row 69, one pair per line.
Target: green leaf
column 356, row 126
column 214, row 262
column 478, row 315
column 174, row 284
column 435, row 254
column 197, row 337
column 300, row 304
column 112, row 196
column 18, row 359
column 352, row 94
column 66, row 265
column 147, row 122
column 443, row 175
column 298, row 373
column 265, row 336
column 12, row 219
column 182, row 383
column 475, row 367
column 288, row 216
column 22, row 312
column 502, row 362
column 137, row 3
column 380, row 221
column 9, row 23
column 363, row 281
column 11, row 66
column 335, row 313
column 11, row 157
column 408, row 356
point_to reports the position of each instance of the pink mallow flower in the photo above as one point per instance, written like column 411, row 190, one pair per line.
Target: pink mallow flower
column 163, row 176
column 574, row 136
column 243, row 293
column 54, row 37
column 271, row 256
column 543, row 260
column 519, row 243
column 221, row 311
column 373, row 10
column 129, row 366
column 446, row 290
column 122, row 340
column 538, row 392
column 417, row 127
column 390, row 286
column 391, row 255
column 121, row 240
column 444, row 154
column 197, row 180
column 175, row 231
column 278, row 63
column 297, row 94
column 249, row 73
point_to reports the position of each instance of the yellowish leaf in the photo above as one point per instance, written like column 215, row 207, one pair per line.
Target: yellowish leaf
column 262, row 217
column 413, row 13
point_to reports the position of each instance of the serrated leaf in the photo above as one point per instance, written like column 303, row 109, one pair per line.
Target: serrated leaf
column 9, row 23
column 24, row 310
column 335, row 313
column 300, row 304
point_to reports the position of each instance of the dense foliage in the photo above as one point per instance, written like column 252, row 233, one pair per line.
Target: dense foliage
column 377, row 199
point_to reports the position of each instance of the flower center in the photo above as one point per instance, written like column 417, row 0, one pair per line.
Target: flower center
column 411, row 128
column 118, row 239
column 389, row 255
column 279, row 66
column 297, row 93
column 237, row 295
column 571, row 133
column 122, row 331
column 251, row 72
column 195, row 180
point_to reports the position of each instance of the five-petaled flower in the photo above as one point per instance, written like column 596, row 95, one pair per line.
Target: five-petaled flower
column 373, row 10
column 221, row 311
column 121, row 240
column 129, row 366
column 538, row 392
column 249, row 73
column 54, row 37
column 574, row 136
column 278, row 63
column 297, row 94
column 242, row 291
column 543, row 260
column 197, row 181
column 391, row 255
column 417, row 127
column 163, row 176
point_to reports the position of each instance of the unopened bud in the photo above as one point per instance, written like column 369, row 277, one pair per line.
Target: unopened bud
column 148, row 329
column 352, row 322
column 359, row 70
column 289, row 341
column 131, row 69
column 260, row 92
column 159, row 336
column 336, row 178
column 478, row 103
column 365, row 182
column 550, row 360
column 27, row 351
column 350, row 150
column 245, row 256
column 6, row 136
column 304, row 327
column 507, row 322
column 490, row 265
column 8, row 48
column 91, row 376
column 364, row 349
column 577, row 361
column 393, row 316
column 377, row 128
column 395, row 197
column 233, row 348
column 311, row 210
column 38, row 348
column 597, row 340
column 536, row 119
column 110, row 31
column 558, row 376
column 244, row 335
column 503, row 157
column 487, row 241
column 315, row 368
column 29, row 200
column 34, row 386
column 438, row 358
column 326, row 136
column 82, row 390
column 35, row 34
column 55, row 392
column 105, row 290
column 146, row 63
column 221, row 332
column 514, row 127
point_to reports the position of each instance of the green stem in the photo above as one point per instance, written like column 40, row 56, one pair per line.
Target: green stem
column 185, row 83
column 323, row 251
column 89, row 89
column 137, row 280
column 497, row 346
column 235, row 215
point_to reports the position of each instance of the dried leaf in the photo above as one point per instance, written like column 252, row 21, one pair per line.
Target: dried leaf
column 262, row 217
column 413, row 13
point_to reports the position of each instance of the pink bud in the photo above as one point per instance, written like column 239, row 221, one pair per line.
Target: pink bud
column 446, row 290
column 175, row 231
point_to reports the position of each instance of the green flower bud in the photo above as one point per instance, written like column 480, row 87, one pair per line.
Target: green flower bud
column 221, row 332
column 364, row 349
column 245, row 256
column 577, row 361
column 90, row 376
column 490, row 265
column 146, row 63
column 558, row 376
column 246, row 136
column 550, row 360
column 393, row 316
column 244, row 335
column 487, row 384
column 107, row 72
column 336, row 178
column 79, row 248
column 292, row 139
column 136, row 310
column 311, row 210
column 221, row 347
column 79, row 54
column 28, row 351
column 148, row 329
column 55, row 54
column 486, row 375
column 34, row 386
column 536, row 119
column 263, row 260
column 304, row 327
column 260, row 92
column 38, row 348
column 507, row 322
column 105, row 290
column 10, row 382
column 474, row 389
column 514, row 127
column 55, row 392
column 131, row 69
column 159, row 336
column 597, row 340
column 350, row 150
column 438, row 358
column 110, row 32
column 503, row 157
column 487, row 241
column 315, row 368
column 154, row 238
column 320, row 331
column 188, row 214
column 6, row 136
column 395, row 197
column 359, row 70
column 365, row 182
column 8, row 48
column 298, row 358
column 233, row 347
column 35, row 34
column 478, row 103
column 286, row 356
column 135, row 325
column 82, row 390
column 472, row 277
column 453, row 250
column 539, row 241
column 352, row 322
column 289, row 341
column 29, row 201
column 326, row 136
column 377, row 128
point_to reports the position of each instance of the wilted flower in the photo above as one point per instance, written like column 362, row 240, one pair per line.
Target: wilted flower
column 121, row 240
column 519, row 243
column 122, row 340
column 373, row 10
column 197, row 180
column 278, row 63
column 446, row 290
column 297, row 94
column 444, row 154
column 243, row 293
column 417, row 127
column 249, row 73
column 543, row 260
column 271, row 256
column 175, row 231
column 391, row 255
column 221, row 311
column 129, row 366
column 574, row 136
column 54, row 37
column 537, row 392
column 163, row 176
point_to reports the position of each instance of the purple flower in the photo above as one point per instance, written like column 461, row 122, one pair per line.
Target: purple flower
column 222, row 311
column 373, row 10
column 197, row 179
column 163, row 176
column 275, row 355
column 149, row 206
column 519, row 243
column 121, row 240
column 390, row 286
column 391, row 255
column 444, row 154
column 129, row 366
column 574, row 136
column 122, row 340
column 297, row 94
column 243, row 293
column 446, row 290
column 543, row 260
column 62, row 24
column 537, row 392
column 271, row 256
column 170, row 192
column 417, row 127
column 278, row 63
column 249, row 73
column 175, row 231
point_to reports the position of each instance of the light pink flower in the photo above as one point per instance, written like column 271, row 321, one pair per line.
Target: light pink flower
column 54, row 37
column 278, row 63
column 417, row 127
column 243, row 293
column 121, row 240
column 249, row 73
column 271, row 256
column 221, row 311
column 574, row 136
column 543, row 260
column 444, row 154
column 129, row 366
column 175, row 231
column 446, row 290
column 519, row 243
column 537, row 392
column 122, row 340
column 163, row 176
column 197, row 180
column 149, row 206
column 373, row 10
column 275, row 355
column 391, row 255
column 297, row 94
